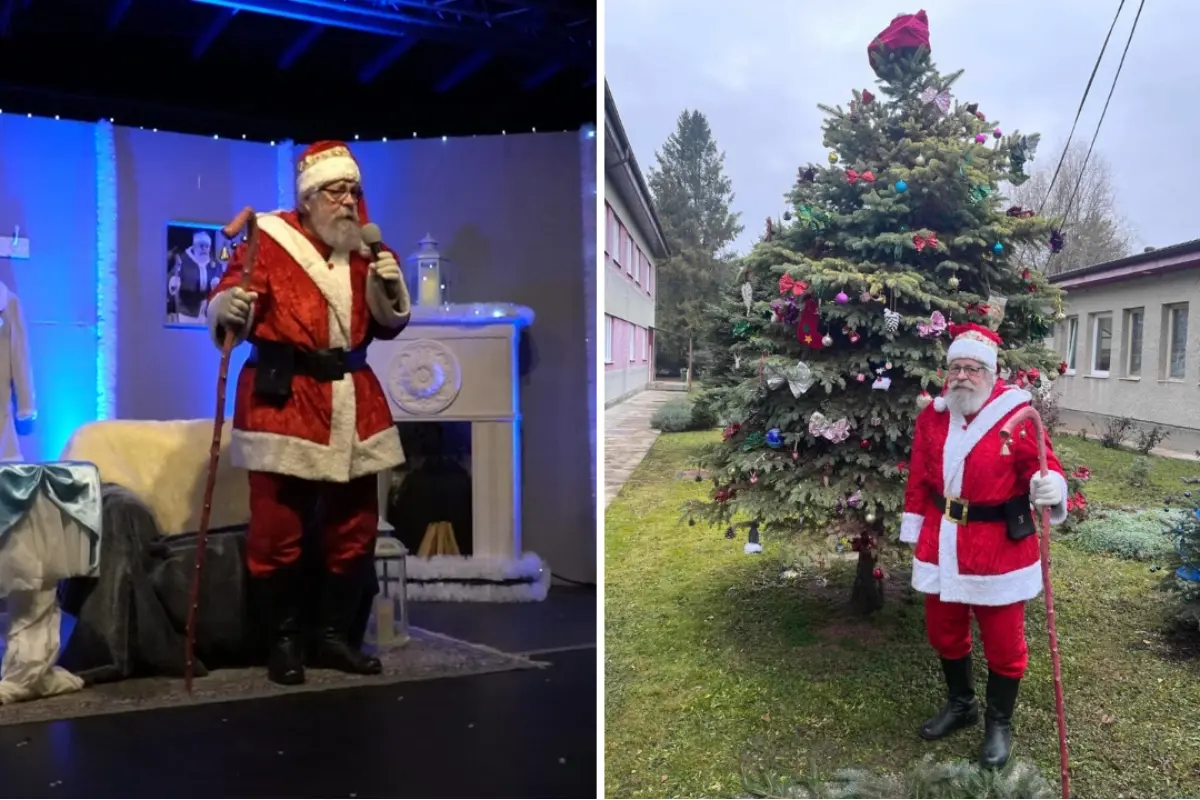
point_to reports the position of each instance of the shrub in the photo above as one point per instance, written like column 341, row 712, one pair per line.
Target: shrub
column 1150, row 438
column 704, row 410
column 1078, row 475
column 957, row 779
column 1138, row 535
column 676, row 416
column 1115, row 431
column 1045, row 401
column 1138, row 473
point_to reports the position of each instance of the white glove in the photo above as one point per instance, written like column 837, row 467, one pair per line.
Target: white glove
column 386, row 268
column 1045, row 492
column 235, row 308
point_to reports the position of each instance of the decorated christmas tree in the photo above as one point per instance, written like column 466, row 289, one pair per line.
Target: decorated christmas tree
column 835, row 334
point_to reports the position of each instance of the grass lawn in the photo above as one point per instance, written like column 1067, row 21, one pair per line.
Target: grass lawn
column 717, row 668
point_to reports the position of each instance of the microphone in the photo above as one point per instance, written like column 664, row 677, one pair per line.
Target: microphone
column 373, row 238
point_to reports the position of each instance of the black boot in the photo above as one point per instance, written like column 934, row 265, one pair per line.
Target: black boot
column 278, row 599
column 331, row 649
column 961, row 709
column 997, row 720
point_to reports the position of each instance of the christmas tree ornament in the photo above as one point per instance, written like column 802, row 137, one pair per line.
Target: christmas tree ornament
column 788, row 284
column 980, row 138
column 754, row 476
column 887, row 365
column 774, row 438
column 833, row 158
column 1018, row 212
column 827, row 341
column 901, row 186
column 741, row 328
column 1057, row 241
column 998, row 248
column 853, row 336
column 952, row 283
column 867, row 97
column 808, row 328
column 921, row 242
column 877, row 574
column 940, row 100
column 730, row 533
column 865, row 444
column 876, row 421
column 752, row 544
column 795, row 452
column 972, row 108
column 864, row 297
column 870, row 518
column 920, row 161
column 882, row 381
column 748, row 296
column 868, row 176
column 841, row 299
column 851, row 176
column 996, row 134
column 854, row 500
column 820, row 427
column 980, row 192
column 861, row 377
column 934, row 328
column 808, row 174
column 891, row 320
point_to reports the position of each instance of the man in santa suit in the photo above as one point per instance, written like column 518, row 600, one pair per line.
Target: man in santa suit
column 967, row 510
column 311, row 422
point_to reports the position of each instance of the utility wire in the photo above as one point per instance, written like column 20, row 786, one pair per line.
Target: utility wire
column 1082, row 101
column 1083, row 169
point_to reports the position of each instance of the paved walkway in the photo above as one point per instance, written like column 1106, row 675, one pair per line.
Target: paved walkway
column 628, row 437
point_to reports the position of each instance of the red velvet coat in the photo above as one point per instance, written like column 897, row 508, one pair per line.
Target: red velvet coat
column 314, row 299
column 957, row 457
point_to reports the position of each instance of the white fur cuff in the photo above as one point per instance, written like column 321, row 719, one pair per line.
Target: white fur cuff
column 389, row 313
column 910, row 527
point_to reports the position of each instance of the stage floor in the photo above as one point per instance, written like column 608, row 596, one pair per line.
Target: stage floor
column 526, row 734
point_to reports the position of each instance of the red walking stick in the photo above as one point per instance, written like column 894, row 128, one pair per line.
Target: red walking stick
column 1029, row 413
column 247, row 220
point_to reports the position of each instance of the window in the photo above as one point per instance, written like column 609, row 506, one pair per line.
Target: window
column 1101, row 344
column 608, row 333
column 610, row 233
column 642, row 334
column 1175, row 328
column 1135, row 319
column 1072, row 343
column 622, row 236
column 649, row 276
column 638, row 258
column 633, row 332
column 627, row 256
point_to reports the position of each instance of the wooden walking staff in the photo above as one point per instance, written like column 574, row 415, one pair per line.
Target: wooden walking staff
column 1029, row 413
column 248, row 221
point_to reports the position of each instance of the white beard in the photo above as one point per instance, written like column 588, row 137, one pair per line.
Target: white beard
column 967, row 401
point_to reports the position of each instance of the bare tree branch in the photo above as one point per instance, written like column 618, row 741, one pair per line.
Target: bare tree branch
column 1094, row 228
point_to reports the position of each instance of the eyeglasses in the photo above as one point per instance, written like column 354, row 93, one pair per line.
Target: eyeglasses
column 971, row 372
column 338, row 194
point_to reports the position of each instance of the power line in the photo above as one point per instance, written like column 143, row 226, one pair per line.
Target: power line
column 1082, row 101
column 1083, row 169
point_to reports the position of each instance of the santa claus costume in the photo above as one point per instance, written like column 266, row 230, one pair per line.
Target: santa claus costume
column 967, row 511
column 311, row 422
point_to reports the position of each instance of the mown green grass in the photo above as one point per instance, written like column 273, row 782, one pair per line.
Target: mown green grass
column 717, row 668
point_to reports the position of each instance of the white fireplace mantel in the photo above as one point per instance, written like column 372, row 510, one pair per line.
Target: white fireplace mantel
column 459, row 363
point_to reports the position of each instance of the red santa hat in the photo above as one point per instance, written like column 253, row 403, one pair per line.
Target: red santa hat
column 974, row 342
column 325, row 162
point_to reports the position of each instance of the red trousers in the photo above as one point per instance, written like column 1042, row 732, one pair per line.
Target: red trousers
column 1002, row 629
column 281, row 505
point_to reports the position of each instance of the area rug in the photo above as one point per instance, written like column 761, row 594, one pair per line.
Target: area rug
column 427, row 656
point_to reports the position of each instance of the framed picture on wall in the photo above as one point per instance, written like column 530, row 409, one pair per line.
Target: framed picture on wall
column 196, row 255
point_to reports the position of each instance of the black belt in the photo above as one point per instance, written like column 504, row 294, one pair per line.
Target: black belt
column 960, row 511
column 321, row 365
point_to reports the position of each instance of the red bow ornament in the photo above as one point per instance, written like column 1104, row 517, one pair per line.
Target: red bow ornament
column 788, row 284
column 851, row 175
column 868, row 176
column 921, row 242
column 867, row 97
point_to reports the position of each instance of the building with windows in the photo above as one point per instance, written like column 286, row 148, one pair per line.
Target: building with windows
column 634, row 245
column 1129, row 348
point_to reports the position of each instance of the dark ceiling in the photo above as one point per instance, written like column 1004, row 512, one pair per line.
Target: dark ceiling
column 304, row 69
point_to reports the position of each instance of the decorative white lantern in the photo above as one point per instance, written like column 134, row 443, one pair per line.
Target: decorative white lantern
column 391, row 604
column 426, row 273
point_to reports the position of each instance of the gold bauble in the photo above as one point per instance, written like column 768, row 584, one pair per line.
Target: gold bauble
column 833, row 158
column 952, row 283
column 870, row 518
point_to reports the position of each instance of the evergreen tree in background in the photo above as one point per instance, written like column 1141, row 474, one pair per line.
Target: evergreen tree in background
column 1187, row 577
column 693, row 197
column 835, row 333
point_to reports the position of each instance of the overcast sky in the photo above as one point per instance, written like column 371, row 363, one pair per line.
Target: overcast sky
column 758, row 74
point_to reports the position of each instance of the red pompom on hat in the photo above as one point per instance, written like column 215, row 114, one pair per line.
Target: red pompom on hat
column 323, row 163
column 974, row 342
column 904, row 35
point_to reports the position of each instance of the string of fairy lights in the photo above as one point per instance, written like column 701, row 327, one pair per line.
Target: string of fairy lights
column 356, row 137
